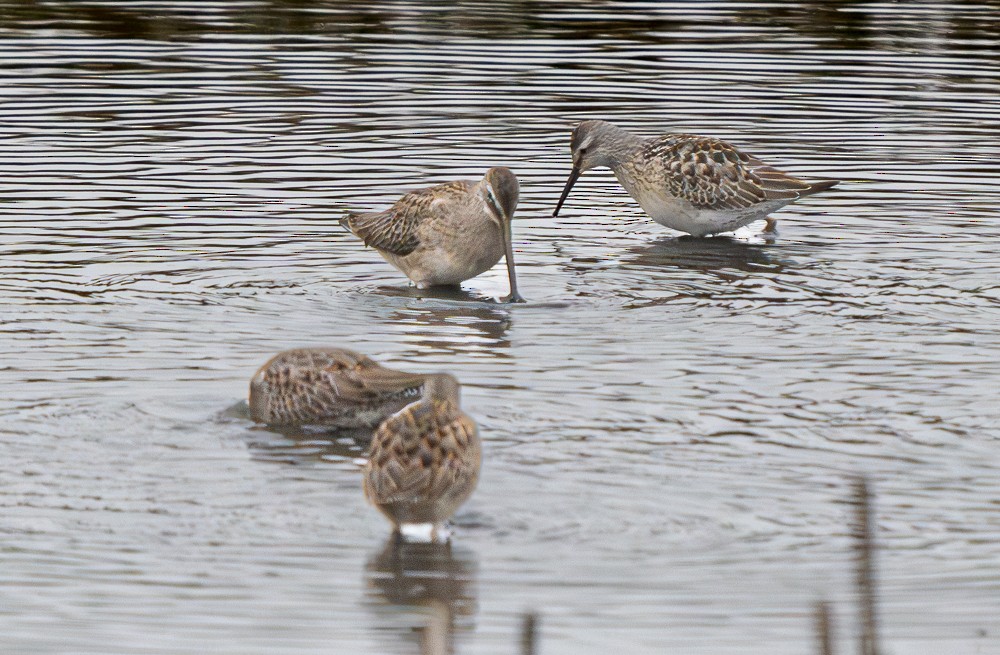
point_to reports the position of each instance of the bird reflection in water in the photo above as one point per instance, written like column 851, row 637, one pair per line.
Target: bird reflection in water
column 302, row 445
column 717, row 269
column 705, row 254
column 454, row 327
column 436, row 579
column 452, row 293
column 293, row 444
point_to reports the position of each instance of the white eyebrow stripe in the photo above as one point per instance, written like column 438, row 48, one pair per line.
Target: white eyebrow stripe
column 492, row 200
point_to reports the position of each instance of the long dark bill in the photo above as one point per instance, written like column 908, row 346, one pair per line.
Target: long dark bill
column 509, row 256
column 574, row 175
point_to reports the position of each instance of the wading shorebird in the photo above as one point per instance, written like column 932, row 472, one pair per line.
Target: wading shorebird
column 446, row 234
column 331, row 387
column 424, row 460
column 694, row 184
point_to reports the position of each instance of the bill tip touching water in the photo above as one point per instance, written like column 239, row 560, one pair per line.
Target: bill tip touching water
column 693, row 184
column 448, row 233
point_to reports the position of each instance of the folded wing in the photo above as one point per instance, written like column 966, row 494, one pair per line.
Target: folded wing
column 396, row 230
column 712, row 174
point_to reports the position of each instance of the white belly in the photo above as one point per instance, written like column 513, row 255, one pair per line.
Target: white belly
column 681, row 215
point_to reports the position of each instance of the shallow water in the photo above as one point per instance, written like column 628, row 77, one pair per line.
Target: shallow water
column 670, row 424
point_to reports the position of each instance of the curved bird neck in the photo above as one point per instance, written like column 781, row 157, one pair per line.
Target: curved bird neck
column 615, row 145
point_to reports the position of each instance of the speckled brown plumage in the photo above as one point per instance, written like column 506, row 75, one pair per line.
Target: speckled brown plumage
column 711, row 174
column 695, row 184
column 424, row 460
column 397, row 229
column 448, row 233
column 333, row 387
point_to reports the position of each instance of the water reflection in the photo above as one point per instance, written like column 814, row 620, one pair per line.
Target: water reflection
column 453, row 293
column 455, row 327
column 713, row 254
column 435, row 578
column 299, row 444
column 724, row 271
column 846, row 25
column 303, row 445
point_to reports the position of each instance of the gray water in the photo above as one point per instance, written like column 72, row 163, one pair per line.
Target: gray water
column 671, row 425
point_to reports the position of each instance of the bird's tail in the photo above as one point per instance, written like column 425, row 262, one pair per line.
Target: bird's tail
column 780, row 185
column 816, row 187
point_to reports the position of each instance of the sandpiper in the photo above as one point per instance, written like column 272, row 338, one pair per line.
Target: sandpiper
column 694, row 184
column 446, row 234
column 331, row 387
column 424, row 460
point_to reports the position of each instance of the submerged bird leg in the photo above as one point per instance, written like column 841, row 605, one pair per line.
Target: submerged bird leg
column 771, row 226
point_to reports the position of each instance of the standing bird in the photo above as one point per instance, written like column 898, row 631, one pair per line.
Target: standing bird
column 331, row 387
column 446, row 234
column 694, row 184
column 424, row 460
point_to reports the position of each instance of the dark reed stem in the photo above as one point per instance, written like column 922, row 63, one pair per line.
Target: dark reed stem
column 824, row 630
column 865, row 533
column 529, row 634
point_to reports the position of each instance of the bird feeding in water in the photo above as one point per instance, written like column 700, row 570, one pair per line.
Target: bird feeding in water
column 424, row 460
column 445, row 234
column 329, row 387
column 694, row 184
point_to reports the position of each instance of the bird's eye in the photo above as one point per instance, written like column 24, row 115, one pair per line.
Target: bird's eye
column 493, row 202
column 583, row 150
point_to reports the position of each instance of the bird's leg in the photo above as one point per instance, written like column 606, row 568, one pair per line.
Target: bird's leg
column 771, row 226
column 440, row 534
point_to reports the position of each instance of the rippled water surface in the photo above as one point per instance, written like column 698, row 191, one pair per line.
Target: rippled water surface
column 670, row 424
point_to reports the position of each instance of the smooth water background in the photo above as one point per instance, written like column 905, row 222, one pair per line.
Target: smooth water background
column 670, row 424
